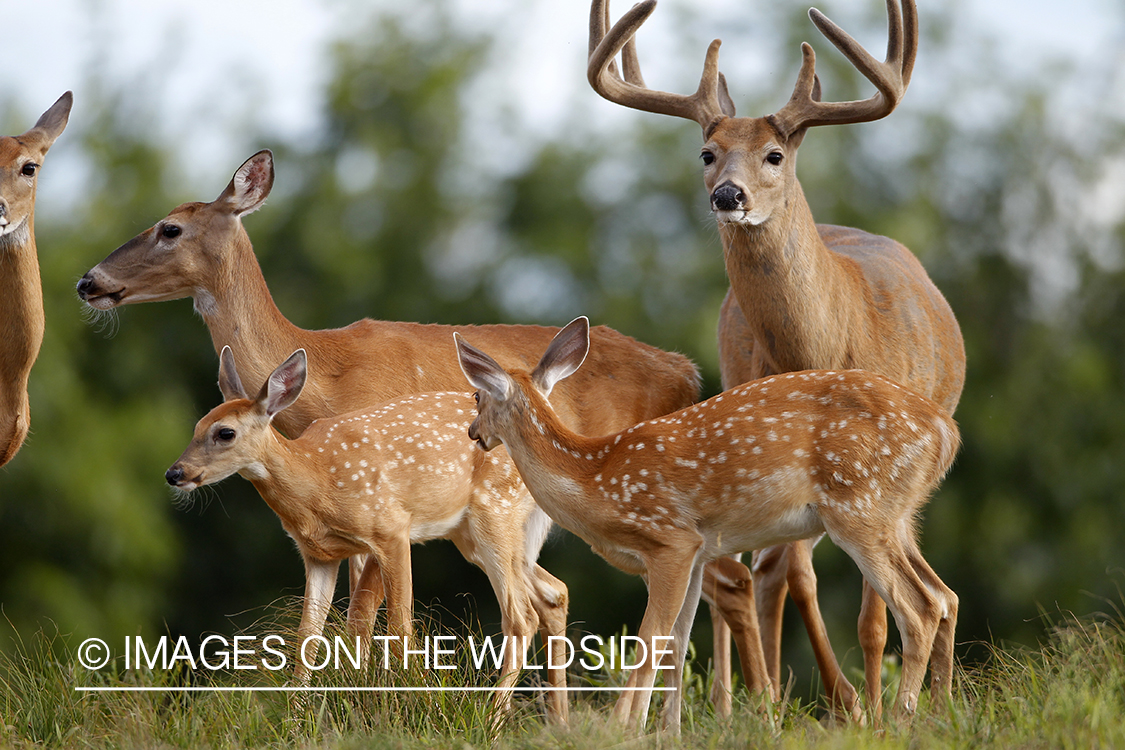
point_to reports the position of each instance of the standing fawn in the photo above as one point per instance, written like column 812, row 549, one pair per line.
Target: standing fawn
column 21, row 303
column 373, row 482
column 202, row 251
column 803, row 296
column 846, row 453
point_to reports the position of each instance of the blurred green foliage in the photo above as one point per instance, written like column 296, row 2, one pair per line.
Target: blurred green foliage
column 379, row 218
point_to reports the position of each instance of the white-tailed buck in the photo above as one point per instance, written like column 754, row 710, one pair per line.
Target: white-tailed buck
column 802, row 296
column 846, row 453
column 21, row 292
column 202, row 251
column 373, row 482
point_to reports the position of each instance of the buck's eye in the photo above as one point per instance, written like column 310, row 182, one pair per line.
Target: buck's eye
column 708, row 158
column 170, row 231
column 476, row 397
column 224, row 435
column 775, row 157
column 28, row 170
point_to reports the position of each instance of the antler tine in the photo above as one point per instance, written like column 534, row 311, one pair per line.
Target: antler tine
column 891, row 77
column 702, row 107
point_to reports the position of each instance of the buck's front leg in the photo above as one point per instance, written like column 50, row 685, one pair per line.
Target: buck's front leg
column 842, row 696
column 320, row 584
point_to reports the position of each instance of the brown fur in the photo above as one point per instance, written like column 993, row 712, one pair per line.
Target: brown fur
column 802, row 296
column 766, row 463
column 371, row 483
column 21, row 294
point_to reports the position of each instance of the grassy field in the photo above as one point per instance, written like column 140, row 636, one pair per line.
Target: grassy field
column 1068, row 693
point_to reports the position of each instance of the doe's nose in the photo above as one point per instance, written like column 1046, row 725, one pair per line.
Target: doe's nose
column 727, row 197
column 85, row 284
column 174, row 476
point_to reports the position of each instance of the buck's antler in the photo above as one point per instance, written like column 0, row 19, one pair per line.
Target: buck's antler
column 704, row 106
column 711, row 101
column 891, row 77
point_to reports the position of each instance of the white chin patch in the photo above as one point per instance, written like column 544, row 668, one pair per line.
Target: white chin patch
column 101, row 303
column 748, row 218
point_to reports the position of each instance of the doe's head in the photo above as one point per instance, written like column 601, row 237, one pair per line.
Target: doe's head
column 501, row 396
column 236, row 435
column 20, row 159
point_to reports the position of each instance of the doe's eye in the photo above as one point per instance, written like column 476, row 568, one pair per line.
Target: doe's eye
column 170, row 231
column 476, row 397
column 775, row 157
column 28, row 170
column 708, row 158
column 224, row 434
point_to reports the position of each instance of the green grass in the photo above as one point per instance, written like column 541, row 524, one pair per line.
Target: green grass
column 1070, row 692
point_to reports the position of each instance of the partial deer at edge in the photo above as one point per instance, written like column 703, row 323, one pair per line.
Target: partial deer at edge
column 202, row 251
column 21, row 302
column 848, row 453
column 373, row 482
column 802, row 295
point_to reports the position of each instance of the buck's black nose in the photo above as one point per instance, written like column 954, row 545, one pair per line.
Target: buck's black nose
column 727, row 197
column 175, row 475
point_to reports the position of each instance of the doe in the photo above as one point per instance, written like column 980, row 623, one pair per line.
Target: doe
column 373, row 482
column 780, row 459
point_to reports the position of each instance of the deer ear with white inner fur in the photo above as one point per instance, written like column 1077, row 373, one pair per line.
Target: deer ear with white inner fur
column 564, row 356
column 284, row 385
column 482, row 371
column 251, row 184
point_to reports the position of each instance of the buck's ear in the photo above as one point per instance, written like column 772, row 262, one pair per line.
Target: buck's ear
column 482, row 371
column 284, row 385
column 251, row 184
column 566, row 354
column 52, row 122
column 229, row 383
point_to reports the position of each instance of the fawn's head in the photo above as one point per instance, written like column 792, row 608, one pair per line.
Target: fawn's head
column 236, row 435
column 503, row 396
column 749, row 164
column 182, row 254
column 20, row 159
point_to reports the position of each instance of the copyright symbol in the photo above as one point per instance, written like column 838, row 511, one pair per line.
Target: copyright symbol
column 93, row 653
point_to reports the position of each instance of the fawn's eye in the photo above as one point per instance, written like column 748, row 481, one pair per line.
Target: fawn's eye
column 708, row 158
column 28, row 170
column 170, row 231
column 224, row 434
column 775, row 157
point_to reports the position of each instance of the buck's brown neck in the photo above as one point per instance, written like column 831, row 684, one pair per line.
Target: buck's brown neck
column 793, row 292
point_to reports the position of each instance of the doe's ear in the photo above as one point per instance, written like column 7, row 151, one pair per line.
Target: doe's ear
column 251, row 184
column 284, row 384
column 566, row 354
column 52, row 122
column 229, row 383
column 482, row 371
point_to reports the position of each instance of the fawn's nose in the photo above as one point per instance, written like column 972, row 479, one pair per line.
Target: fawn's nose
column 175, row 475
column 727, row 197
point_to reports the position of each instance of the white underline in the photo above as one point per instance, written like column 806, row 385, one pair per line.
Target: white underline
column 282, row 689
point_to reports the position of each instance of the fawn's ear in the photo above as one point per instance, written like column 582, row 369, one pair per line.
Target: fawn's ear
column 566, row 354
column 284, row 384
column 251, row 184
column 229, row 383
column 482, row 371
